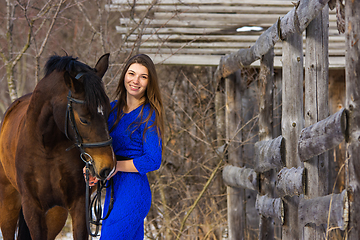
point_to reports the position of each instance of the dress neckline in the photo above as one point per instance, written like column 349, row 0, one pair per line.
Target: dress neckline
column 135, row 109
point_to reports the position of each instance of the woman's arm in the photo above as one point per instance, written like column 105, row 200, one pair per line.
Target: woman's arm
column 124, row 166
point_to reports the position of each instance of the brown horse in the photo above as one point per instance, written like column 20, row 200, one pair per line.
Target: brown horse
column 45, row 140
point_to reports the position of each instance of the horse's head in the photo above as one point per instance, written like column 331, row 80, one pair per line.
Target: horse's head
column 86, row 117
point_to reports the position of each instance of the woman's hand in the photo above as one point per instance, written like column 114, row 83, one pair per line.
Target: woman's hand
column 92, row 180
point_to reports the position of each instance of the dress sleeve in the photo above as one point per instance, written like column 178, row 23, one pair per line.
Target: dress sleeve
column 150, row 160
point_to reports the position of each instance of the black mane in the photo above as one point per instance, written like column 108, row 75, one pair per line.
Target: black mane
column 94, row 90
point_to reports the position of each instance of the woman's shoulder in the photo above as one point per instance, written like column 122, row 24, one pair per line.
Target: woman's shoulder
column 113, row 103
column 148, row 110
column 147, row 107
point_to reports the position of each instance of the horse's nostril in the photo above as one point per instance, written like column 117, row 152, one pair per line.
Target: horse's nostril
column 104, row 173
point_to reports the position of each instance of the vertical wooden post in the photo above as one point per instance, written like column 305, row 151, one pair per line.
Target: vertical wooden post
column 249, row 132
column 292, row 122
column 277, row 111
column 265, row 133
column 235, row 196
column 316, row 107
column 220, row 114
column 277, row 94
column 352, row 72
column 220, row 136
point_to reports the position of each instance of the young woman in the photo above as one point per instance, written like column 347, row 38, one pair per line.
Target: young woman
column 136, row 126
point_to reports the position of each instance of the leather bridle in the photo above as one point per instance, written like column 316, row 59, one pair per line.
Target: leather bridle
column 88, row 160
column 70, row 120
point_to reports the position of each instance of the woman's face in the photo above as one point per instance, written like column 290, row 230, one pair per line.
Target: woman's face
column 136, row 80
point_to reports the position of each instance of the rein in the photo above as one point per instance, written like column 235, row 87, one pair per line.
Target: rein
column 96, row 204
column 88, row 160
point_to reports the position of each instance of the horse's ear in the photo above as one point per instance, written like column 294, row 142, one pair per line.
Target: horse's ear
column 102, row 65
column 73, row 84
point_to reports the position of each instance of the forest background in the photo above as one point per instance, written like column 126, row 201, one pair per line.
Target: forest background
column 189, row 197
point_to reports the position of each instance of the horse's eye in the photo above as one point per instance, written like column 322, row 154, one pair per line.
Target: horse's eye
column 84, row 121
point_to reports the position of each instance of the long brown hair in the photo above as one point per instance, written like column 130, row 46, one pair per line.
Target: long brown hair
column 152, row 94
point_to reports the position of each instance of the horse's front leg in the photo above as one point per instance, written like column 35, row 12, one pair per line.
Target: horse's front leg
column 35, row 220
column 9, row 207
column 78, row 217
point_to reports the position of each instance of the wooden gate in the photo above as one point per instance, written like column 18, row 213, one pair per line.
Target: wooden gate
column 301, row 199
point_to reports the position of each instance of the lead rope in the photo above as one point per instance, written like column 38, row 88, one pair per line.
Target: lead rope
column 96, row 204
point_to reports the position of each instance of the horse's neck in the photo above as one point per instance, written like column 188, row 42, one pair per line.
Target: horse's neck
column 40, row 116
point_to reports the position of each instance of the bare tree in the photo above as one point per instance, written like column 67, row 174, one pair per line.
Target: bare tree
column 25, row 23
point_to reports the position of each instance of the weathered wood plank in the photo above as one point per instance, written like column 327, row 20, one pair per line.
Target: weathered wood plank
column 174, row 22
column 198, row 2
column 223, row 17
column 316, row 108
column 206, row 34
column 235, row 196
column 292, row 119
column 270, row 154
column 266, row 87
column 228, row 21
column 213, row 29
column 186, row 38
column 323, row 135
column 352, row 73
column 238, row 9
column 331, row 210
column 270, row 207
column 240, row 177
column 213, row 60
column 192, row 49
column 291, row 182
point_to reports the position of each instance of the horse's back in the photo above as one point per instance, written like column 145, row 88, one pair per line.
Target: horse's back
column 10, row 129
column 15, row 111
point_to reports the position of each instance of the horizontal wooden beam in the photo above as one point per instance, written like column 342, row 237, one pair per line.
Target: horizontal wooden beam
column 290, row 182
column 216, row 2
column 225, row 21
column 223, row 17
column 323, row 135
column 331, row 210
column 217, row 29
column 240, row 177
column 213, row 60
column 235, row 9
column 191, row 49
column 270, row 207
column 270, row 154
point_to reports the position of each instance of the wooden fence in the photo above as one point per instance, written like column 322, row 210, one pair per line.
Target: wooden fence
column 300, row 200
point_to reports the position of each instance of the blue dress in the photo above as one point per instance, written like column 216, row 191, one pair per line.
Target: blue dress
column 132, row 194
